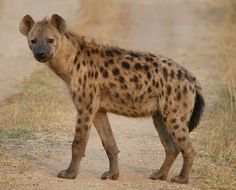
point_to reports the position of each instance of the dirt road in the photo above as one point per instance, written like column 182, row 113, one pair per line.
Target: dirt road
column 177, row 29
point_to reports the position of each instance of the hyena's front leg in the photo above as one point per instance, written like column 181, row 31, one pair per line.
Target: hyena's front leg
column 86, row 112
column 102, row 125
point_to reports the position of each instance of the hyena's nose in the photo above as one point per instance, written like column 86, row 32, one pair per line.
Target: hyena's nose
column 40, row 55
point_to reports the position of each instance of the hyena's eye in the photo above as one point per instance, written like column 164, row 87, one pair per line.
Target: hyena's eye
column 50, row 40
column 33, row 41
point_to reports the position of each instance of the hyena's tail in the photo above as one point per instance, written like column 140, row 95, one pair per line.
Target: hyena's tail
column 197, row 110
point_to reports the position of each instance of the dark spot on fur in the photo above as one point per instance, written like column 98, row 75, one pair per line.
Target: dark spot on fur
column 153, row 82
column 178, row 97
column 86, row 127
column 185, row 90
column 88, row 53
column 172, row 74
column 165, row 107
column 90, row 110
column 83, row 94
column 96, row 75
column 101, row 69
column 162, row 84
column 73, row 95
column 179, row 74
column 138, row 66
column 117, row 51
column 121, row 79
column 149, row 89
column 173, row 120
column 105, row 74
column 124, row 86
column 168, row 90
column 81, row 47
column 137, row 55
column 134, row 79
column 146, row 67
column 149, row 75
column 125, row 65
column 111, row 61
column 182, row 118
column 85, row 78
column 78, row 130
column 181, row 139
column 176, row 127
column 115, row 71
column 149, row 59
column 185, row 104
column 75, row 60
column 109, row 53
column 86, row 119
column 165, row 73
column 80, row 111
column 91, row 95
column 106, row 64
column 117, row 95
column 164, row 119
column 112, row 85
column 67, row 36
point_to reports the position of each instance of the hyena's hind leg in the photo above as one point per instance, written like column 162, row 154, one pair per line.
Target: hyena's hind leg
column 102, row 125
column 181, row 138
column 169, row 145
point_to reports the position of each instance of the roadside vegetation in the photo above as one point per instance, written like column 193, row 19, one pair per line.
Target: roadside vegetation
column 217, row 163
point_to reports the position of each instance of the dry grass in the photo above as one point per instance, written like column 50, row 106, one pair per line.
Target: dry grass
column 42, row 103
column 217, row 167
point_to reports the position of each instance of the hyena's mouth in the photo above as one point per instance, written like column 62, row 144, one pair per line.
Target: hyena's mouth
column 43, row 59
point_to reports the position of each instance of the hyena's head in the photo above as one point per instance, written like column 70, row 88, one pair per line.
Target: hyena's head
column 44, row 37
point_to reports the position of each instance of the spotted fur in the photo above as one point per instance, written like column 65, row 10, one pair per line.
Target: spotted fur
column 105, row 79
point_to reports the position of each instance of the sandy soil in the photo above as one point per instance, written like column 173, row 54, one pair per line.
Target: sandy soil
column 177, row 29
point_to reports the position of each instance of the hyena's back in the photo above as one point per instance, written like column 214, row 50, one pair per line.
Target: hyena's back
column 139, row 84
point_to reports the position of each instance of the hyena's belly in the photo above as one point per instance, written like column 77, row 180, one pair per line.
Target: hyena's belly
column 128, row 106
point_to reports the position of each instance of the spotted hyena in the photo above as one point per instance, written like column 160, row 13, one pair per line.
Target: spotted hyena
column 105, row 79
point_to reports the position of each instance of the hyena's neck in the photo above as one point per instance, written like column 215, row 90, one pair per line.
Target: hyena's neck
column 73, row 48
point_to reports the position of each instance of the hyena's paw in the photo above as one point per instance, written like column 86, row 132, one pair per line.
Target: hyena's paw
column 67, row 174
column 179, row 179
column 110, row 175
column 158, row 175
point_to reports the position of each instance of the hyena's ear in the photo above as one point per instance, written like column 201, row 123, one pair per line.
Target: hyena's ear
column 26, row 24
column 59, row 23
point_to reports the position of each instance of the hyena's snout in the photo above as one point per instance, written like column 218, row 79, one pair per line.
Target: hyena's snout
column 41, row 53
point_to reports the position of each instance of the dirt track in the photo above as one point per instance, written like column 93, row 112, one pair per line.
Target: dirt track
column 177, row 29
